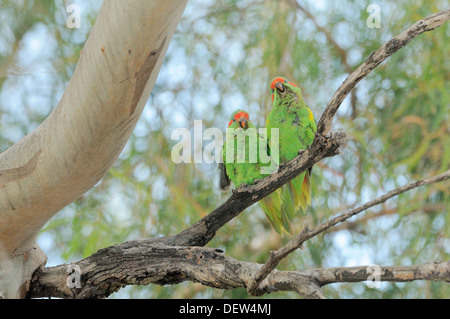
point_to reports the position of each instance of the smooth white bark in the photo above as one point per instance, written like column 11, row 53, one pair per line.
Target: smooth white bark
column 79, row 141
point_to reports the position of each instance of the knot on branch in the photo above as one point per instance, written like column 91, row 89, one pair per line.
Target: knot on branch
column 329, row 145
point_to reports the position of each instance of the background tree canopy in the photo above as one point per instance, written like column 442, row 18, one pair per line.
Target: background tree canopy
column 222, row 57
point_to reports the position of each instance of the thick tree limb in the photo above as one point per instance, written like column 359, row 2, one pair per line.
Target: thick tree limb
column 277, row 256
column 142, row 262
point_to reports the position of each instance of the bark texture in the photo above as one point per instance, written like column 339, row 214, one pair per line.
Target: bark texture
column 142, row 262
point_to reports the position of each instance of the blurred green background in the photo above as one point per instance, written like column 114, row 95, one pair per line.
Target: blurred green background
column 222, row 57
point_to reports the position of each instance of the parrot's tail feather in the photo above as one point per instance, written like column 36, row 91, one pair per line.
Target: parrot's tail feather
column 294, row 197
column 283, row 203
column 306, row 188
column 272, row 207
column 301, row 191
column 288, row 198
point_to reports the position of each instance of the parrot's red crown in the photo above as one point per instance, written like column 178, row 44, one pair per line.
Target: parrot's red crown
column 238, row 116
column 280, row 79
column 274, row 82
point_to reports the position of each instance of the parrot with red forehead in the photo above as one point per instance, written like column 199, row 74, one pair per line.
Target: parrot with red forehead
column 241, row 167
column 297, row 128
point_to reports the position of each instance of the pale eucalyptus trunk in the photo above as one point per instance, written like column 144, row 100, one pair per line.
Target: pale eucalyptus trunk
column 83, row 136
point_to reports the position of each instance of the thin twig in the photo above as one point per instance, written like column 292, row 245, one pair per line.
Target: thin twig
column 436, row 271
column 353, row 226
column 277, row 256
column 389, row 48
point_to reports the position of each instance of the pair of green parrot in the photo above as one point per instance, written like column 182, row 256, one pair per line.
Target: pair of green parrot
column 296, row 129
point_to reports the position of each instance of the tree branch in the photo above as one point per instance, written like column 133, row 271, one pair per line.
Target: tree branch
column 305, row 234
column 427, row 24
column 353, row 226
column 142, row 262
column 436, row 271
column 204, row 230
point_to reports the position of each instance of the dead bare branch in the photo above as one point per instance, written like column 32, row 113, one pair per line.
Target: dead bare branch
column 294, row 244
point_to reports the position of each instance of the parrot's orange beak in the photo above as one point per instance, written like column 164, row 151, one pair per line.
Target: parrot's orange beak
column 279, row 86
column 243, row 123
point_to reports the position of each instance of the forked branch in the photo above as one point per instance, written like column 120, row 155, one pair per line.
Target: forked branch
column 305, row 234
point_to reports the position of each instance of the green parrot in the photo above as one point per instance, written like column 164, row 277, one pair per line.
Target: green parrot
column 240, row 168
column 297, row 128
